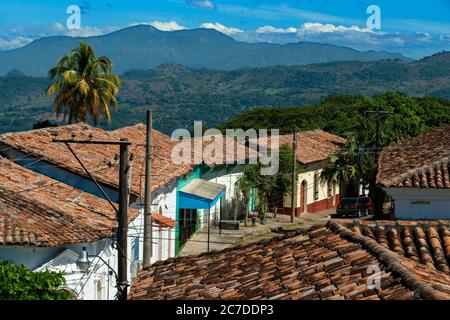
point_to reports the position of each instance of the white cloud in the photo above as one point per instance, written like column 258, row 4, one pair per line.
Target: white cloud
column 205, row 4
column 58, row 26
column 167, row 26
column 13, row 43
column 161, row 25
column 314, row 27
column 221, row 28
column 270, row 29
column 89, row 31
column 445, row 37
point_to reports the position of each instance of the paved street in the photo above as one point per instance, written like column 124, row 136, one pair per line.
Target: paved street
column 199, row 242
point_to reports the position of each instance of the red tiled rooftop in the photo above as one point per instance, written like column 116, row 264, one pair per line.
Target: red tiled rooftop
column 312, row 146
column 420, row 162
column 326, row 262
column 163, row 221
column 427, row 242
column 37, row 210
column 100, row 159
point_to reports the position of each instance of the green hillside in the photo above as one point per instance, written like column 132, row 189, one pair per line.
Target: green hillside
column 341, row 114
column 180, row 95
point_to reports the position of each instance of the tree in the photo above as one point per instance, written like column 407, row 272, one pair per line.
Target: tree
column 19, row 283
column 84, row 86
column 348, row 167
column 270, row 189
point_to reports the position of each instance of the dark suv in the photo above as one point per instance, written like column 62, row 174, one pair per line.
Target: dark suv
column 358, row 206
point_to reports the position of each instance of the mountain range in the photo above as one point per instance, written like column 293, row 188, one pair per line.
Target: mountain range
column 144, row 47
column 179, row 95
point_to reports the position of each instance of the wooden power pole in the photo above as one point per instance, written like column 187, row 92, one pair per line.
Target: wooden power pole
column 294, row 178
column 377, row 192
column 122, row 212
column 148, row 229
column 122, row 232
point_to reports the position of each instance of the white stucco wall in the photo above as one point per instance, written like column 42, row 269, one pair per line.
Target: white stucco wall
column 421, row 204
column 164, row 202
column 307, row 175
column 227, row 178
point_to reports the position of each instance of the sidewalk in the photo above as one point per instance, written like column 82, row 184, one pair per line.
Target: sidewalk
column 199, row 242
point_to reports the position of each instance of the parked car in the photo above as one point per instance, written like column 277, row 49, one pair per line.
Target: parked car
column 358, row 206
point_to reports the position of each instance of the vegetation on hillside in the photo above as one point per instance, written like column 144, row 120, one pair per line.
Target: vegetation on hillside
column 341, row 114
column 180, row 95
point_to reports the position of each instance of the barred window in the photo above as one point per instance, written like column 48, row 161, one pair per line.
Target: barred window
column 316, row 186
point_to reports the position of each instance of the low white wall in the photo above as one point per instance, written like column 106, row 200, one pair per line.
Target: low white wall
column 421, row 204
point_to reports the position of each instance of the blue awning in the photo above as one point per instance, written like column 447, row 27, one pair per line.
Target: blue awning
column 200, row 194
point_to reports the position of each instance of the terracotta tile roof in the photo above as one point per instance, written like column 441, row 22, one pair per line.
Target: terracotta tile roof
column 420, row 162
column 313, row 146
column 326, row 262
column 427, row 242
column 209, row 156
column 163, row 221
column 102, row 160
column 37, row 210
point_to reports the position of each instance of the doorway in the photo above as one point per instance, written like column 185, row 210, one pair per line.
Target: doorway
column 303, row 197
column 188, row 224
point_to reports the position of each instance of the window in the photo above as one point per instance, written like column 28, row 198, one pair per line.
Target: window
column 135, row 248
column 316, row 186
column 98, row 290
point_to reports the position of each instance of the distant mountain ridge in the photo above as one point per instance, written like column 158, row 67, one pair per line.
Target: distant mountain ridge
column 179, row 95
column 144, row 47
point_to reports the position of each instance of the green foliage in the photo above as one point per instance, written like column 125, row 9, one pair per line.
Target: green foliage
column 270, row 189
column 180, row 95
column 341, row 114
column 84, row 85
column 19, row 283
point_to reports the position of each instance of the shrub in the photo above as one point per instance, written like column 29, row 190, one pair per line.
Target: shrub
column 19, row 283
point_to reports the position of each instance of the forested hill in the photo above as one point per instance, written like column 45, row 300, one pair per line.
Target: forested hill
column 181, row 95
column 341, row 114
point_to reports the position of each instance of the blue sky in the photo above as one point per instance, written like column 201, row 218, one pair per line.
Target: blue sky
column 415, row 28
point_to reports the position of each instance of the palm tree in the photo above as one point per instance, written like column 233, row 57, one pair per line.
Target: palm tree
column 84, row 86
column 350, row 166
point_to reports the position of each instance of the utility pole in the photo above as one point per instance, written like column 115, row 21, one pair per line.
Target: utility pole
column 377, row 194
column 294, row 178
column 148, row 224
column 122, row 231
column 209, row 223
column 122, row 212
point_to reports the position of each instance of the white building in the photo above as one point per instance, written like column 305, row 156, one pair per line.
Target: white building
column 415, row 173
column 48, row 169
column 314, row 148
column 51, row 169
